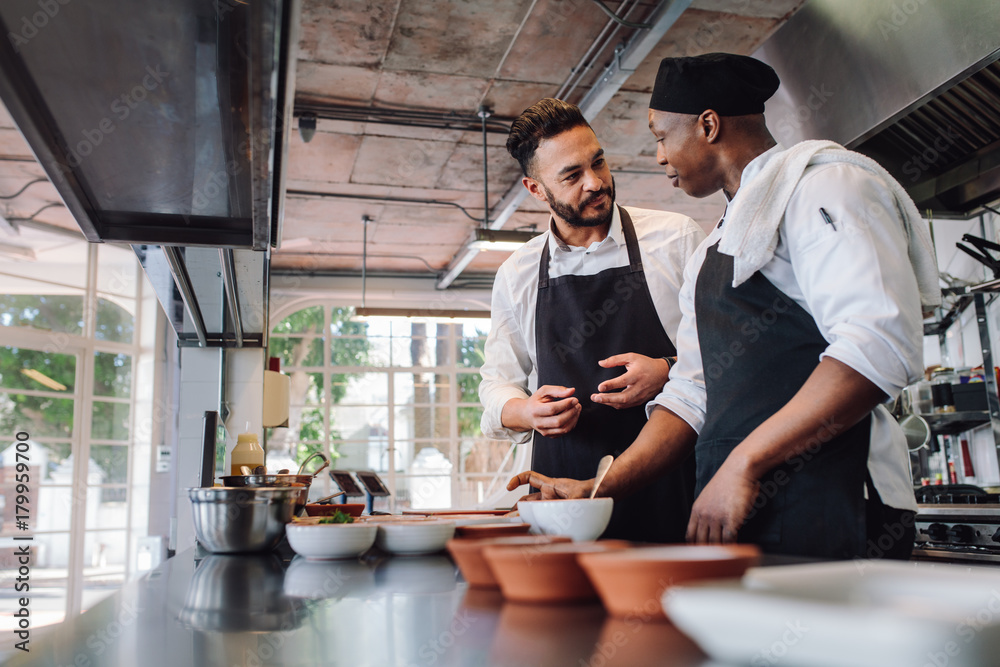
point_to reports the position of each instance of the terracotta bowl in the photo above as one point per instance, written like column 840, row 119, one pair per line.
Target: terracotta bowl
column 631, row 582
column 483, row 530
column 354, row 509
column 468, row 555
column 546, row 574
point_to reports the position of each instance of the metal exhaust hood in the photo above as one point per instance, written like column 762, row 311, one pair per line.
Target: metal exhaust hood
column 164, row 125
column 914, row 85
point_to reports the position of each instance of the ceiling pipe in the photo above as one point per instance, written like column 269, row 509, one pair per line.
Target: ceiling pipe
column 614, row 76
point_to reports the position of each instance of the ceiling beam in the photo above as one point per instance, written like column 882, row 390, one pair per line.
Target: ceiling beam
column 610, row 82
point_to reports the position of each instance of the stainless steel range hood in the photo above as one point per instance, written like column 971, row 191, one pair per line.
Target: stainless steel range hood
column 165, row 125
column 914, row 85
column 158, row 122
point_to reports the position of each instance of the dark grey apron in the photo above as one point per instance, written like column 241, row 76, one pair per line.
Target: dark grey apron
column 580, row 320
column 758, row 347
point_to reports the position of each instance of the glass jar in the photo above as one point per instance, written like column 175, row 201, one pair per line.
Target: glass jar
column 941, row 393
column 918, row 398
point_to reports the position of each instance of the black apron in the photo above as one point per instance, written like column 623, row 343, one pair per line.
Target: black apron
column 580, row 320
column 758, row 347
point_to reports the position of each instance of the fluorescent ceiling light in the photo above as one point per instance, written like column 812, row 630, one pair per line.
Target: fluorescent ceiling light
column 17, row 251
column 42, row 378
column 422, row 313
column 499, row 239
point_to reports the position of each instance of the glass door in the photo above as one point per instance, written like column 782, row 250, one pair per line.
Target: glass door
column 39, row 418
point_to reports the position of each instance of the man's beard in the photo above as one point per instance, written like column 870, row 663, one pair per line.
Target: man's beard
column 572, row 215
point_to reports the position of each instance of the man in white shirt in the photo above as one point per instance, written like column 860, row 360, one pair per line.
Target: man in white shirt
column 598, row 291
column 796, row 328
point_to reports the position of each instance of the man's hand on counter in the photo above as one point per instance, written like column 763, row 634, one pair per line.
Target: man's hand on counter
column 551, row 487
column 551, row 410
column 642, row 380
column 723, row 506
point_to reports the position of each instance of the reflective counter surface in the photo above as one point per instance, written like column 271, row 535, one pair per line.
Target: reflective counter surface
column 248, row 610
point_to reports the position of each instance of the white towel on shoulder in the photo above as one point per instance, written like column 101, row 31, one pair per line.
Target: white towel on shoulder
column 750, row 233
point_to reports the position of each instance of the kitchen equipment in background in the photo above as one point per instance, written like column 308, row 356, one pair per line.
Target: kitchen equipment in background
column 297, row 484
column 918, row 399
column 942, row 396
column 347, row 484
column 916, row 430
column 277, row 389
column 326, row 464
column 967, row 468
column 253, row 480
column 213, row 452
column 247, row 452
column 957, row 522
column 300, row 482
column 969, row 396
column 374, row 487
column 234, row 520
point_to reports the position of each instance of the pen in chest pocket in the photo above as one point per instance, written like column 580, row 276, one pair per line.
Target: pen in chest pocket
column 827, row 218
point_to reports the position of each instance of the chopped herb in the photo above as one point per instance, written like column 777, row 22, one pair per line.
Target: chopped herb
column 337, row 517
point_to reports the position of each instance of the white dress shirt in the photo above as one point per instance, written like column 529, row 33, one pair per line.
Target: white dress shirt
column 666, row 242
column 853, row 277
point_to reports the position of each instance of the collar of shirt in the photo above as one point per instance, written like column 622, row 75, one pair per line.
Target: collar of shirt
column 750, row 172
column 615, row 235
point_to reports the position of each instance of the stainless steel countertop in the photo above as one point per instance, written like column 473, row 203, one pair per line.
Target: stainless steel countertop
column 383, row 611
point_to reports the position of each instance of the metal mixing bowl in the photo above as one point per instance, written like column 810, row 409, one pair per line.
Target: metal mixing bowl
column 234, row 520
column 299, row 483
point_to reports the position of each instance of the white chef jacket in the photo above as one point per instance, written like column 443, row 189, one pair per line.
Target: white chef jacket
column 854, row 278
column 666, row 242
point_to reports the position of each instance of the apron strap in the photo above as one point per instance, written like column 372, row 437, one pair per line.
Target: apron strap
column 634, row 258
column 543, row 267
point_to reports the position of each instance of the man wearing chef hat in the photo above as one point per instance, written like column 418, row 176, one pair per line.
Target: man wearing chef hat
column 802, row 316
column 584, row 319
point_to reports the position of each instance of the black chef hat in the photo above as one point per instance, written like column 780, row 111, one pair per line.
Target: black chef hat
column 729, row 84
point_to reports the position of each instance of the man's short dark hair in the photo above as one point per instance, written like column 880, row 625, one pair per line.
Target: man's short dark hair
column 542, row 120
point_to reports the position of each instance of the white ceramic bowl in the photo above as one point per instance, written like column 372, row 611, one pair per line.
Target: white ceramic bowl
column 580, row 519
column 528, row 516
column 318, row 579
column 419, row 537
column 331, row 540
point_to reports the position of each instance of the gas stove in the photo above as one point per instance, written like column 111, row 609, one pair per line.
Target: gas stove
column 958, row 526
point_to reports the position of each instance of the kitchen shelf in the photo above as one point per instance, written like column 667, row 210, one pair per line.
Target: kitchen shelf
column 953, row 423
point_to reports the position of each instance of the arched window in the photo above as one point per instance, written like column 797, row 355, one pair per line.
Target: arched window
column 391, row 394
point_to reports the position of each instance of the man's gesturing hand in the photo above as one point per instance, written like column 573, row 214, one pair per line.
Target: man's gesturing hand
column 552, row 487
column 551, row 410
column 642, row 380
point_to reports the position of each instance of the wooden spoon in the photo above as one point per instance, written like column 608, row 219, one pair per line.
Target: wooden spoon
column 602, row 469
